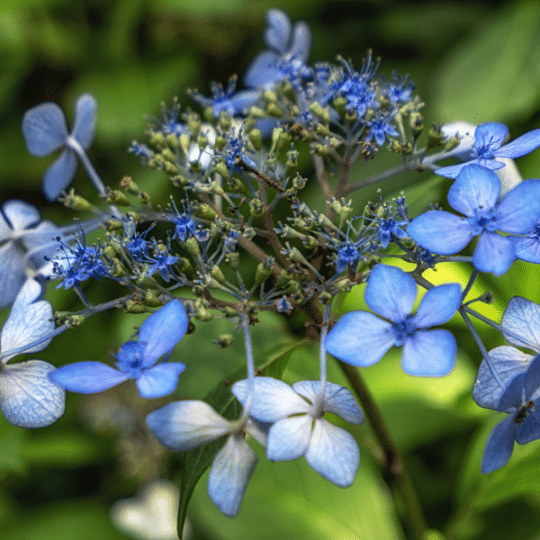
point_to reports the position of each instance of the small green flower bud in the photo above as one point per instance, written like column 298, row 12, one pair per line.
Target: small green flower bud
column 319, row 112
column 249, row 233
column 299, row 182
column 417, row 124
column 256, row 208
column 172, row 141
column 451, row 143
column 220, row 143
column 325, row 298
column 198, row 290
column 204, row 315
column 129, row 185
column 435, row 137
column 151, row 300
column 310, row 242
column 234, row 260
column 76, row 202
column 134, row 307
column 115, row 196
column 262, row 273
column 257, row 112
column 224, row 340
column 204, row 211
column 322, row 150
column 74, row 321
column 273, row 109
column 284, row 279
column 255, row 137
column 192, row 247
column 157, row 139
column 217, row 274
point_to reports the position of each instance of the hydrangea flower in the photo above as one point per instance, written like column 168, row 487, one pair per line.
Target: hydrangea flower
column 159, row 334
column 45, row 131
column 488, row 147
column 509, row 174
column 27, row 397
column 380, row 129
column 184, row 425
column 362, row 339
column 520, row 375
column 27, row 242
column 475, row 193
column 299, row 427
column 289, row 52
column 226, row 99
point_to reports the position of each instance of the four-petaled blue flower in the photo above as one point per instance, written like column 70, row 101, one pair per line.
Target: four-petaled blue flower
column 184, row 425
column 289, row 51
column 299, row 427
column 362, row 339
column 45, row 131
column 488, row 147
column 27, row 397
column 159, row 334
column 475, row 193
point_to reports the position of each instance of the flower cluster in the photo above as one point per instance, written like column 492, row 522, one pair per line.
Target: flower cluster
column 238, row 236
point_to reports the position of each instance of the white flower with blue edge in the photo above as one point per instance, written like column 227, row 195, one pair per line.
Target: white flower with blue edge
column 28, row 398
column 299, row 427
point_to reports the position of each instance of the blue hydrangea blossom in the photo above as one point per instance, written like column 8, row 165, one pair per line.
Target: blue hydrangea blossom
column 289, row 52
column 184, row 425
column 475, row 193
column 159, row 334
column 488, row 148
column 515, row 392
column 45, row 131
column 27, row 397
column 299, row 427
column 362, row 339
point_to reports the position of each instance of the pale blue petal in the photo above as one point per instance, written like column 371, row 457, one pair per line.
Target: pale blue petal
column 526, row 249
column 301, row 43
column 59, row 175
column 494, row 253
column 12, row 274
column 513, row 394
column 507, row 362
column 278, row 33
column 337, row 399
column 184, row 425
column 522, row 145
column 390, row 292
column 475, row 187
column 258, row 430
column 519, row 211
column 27, row 397
column 160, row 380
column 359, row 338
column 17, row 216
column 230, row 473
column 272, row 399
column 84, row 127
column 451, row 171
column 289, row 438
column 522, row 319
column 30, row 319
column 532, row 378
column 529, row 429
column 438, row 306
column 87, row 377
column 44, row 129
column 440, row 232
column 162, row 331
column 499, row 446
column 242, row 101
column 333, row 453
column 429, row 354
column 262, row 70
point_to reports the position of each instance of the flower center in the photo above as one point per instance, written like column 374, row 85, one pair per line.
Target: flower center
column 403, row 330
column 483, row 219
column 524, row 412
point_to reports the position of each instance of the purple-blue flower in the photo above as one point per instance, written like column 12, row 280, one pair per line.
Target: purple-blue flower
column 45, row 131
column 159, row 334
column 475, row 193
column 362, row 339
column 290, row 48
column 488, row 147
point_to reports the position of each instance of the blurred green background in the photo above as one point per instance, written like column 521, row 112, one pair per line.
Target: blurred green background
column 474, row 61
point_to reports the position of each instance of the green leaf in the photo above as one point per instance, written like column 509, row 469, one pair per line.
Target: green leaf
column 290, row 500
column 198, row 460
column 64, row 521
column 497, row 70
column 66, row 449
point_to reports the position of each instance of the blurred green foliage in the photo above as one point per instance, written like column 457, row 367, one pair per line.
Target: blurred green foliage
column 476, row 61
